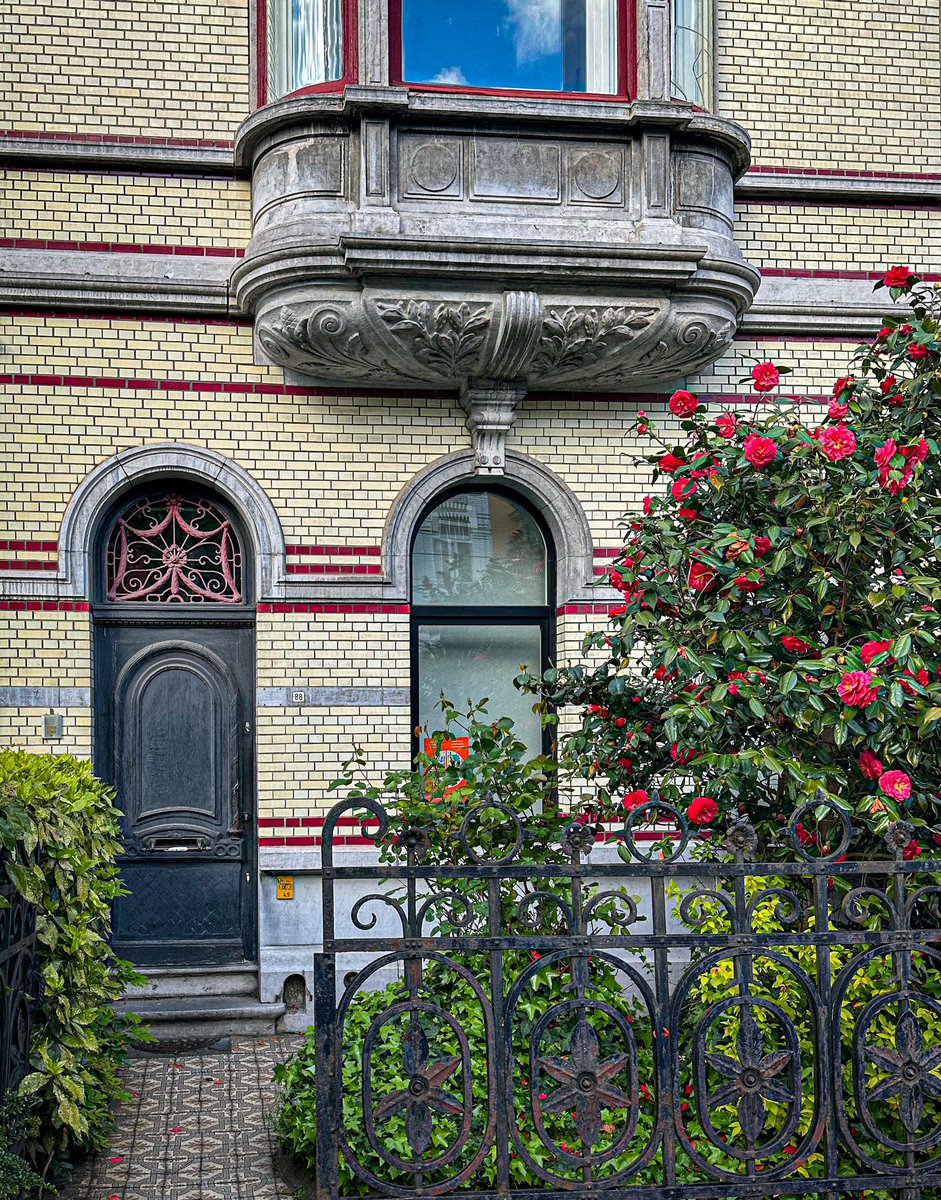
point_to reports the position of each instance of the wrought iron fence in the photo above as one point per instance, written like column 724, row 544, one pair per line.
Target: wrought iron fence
column 18, row 983
column 655, row 1028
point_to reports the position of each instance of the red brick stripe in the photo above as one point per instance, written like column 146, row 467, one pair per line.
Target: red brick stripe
column 27, row 564
column 114, row 139
column 302, row 606
column 334, row 569
column 118, row 383
column 844, row 173
column 121, row 247
column 812, row 273
column 356, row 551
column 67, row 314
column 598, row 610
column 34, row 547
column 44, row 606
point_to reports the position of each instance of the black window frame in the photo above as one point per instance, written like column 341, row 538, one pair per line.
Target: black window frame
column 542, row 616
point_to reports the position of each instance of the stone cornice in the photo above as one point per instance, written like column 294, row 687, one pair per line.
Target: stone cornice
column 78, row 281
column 58, row 152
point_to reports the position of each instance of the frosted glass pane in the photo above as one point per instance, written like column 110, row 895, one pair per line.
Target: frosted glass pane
column 469, row 662
column 305, row 44
column 539, row 45
column 479, row 548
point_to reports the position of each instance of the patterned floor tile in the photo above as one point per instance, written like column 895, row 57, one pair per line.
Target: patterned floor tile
column 196, row 1127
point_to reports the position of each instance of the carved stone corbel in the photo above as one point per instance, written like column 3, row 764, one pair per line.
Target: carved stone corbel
column 490, row 405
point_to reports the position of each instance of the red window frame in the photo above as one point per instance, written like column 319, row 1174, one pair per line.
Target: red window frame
column 627, row 63
column 350, row 13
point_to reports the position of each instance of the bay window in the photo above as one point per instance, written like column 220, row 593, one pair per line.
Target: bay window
column 481, row 608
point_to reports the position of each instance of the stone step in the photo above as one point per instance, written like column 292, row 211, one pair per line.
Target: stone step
column 237, row 979
column 190, row 1018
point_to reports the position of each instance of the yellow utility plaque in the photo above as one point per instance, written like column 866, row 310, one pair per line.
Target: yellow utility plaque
column 285, row 887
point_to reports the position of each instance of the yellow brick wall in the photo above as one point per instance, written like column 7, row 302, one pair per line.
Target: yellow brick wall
column 302, row 750
column 313, row 650
column 21, row 729
column 146, row 68
column 833, row 83
column 332, row 466
column 838, row 238
column 137, row 209
column 45, row 649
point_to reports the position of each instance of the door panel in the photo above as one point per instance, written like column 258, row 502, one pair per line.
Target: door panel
column 173, row 722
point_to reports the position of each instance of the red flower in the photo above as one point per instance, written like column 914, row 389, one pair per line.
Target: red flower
column 702, row 810
column 870, row 766
column 872, row 649
column 836, row 442
column 885, row 453
column 922, row 678
column 856, row 689
column 841, row 385
column 762, row 546
column 727, row 425
column 682, row 756
column 917, row 351
column 760, row 451
column 838, row 410
column 795, row 645
column 702, row 578
column 683, row 489
column 648, row 505
column 766, row 376
column 670, row 463
column 746, row 585
column 917, row 453
column 888, row 385
column 634, row 800
column 898, row 277
column 683, row 404
column 912, row 850
column 896, row 401
column 688, row 514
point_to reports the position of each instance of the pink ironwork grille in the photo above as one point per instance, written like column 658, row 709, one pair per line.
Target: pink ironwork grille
column 174, row 549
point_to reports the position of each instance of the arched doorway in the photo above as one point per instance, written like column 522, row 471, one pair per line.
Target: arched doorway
column 174, row 723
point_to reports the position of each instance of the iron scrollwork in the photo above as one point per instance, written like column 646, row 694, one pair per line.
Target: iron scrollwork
column 639, row 1022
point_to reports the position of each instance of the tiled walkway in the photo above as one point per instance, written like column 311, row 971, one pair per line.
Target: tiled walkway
column 198, row 1127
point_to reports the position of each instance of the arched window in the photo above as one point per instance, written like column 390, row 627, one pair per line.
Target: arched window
column 306, row 45
column 482, row 594
column 174, row 547
column 569, row 46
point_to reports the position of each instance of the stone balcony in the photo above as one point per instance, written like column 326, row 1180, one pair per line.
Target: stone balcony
column 491, row 244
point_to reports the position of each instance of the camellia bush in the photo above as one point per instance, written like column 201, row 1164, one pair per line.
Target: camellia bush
column 58, row 841
column 778, row 634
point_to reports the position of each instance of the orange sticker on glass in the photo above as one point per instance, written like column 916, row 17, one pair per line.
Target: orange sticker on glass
column 451, row 752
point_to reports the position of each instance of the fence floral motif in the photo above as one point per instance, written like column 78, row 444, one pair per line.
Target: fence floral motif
column 774, row 1028
column 18, row 983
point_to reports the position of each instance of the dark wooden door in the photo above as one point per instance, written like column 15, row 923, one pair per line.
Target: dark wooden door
column 174, row 736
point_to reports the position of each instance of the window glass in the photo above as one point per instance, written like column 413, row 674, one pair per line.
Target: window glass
column 538, row 45
column 305, row 44
column 471, row 661
column 479, row 548
column 692, row 51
